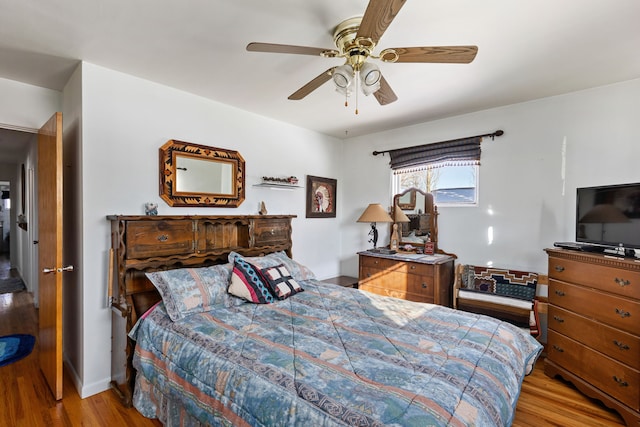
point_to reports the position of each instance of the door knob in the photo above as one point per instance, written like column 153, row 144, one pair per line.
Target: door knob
column 57, row 270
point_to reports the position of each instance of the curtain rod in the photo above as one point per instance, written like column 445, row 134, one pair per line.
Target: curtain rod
column 499, row 132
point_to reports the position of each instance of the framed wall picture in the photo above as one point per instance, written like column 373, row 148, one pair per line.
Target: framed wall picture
column 321, row 197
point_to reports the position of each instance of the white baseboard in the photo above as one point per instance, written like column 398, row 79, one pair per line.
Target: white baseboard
column 85, row 390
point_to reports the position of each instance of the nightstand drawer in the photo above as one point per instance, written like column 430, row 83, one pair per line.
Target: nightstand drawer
column 420, row 269
column 159, row 238
column 398, row 266
column 420, row 284
column 397, row 281
column 396, row 292
column 383, row 264
column 613, row 342
column 614, row 378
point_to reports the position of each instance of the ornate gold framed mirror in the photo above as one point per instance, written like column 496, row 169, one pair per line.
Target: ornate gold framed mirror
column 198, row 175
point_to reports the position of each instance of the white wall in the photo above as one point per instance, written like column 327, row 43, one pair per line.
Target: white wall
column 24, row 107
column 73, row 303
column 524, row 197
column 124, row 122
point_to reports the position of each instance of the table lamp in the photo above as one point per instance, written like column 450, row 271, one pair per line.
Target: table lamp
column 374, row 213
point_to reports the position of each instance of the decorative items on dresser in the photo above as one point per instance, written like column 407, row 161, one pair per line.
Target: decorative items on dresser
column 414, row 277
column 374, row 213
column 148, row 243
column 594, row 327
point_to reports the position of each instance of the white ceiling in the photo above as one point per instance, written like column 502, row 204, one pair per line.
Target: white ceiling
column 526, row 50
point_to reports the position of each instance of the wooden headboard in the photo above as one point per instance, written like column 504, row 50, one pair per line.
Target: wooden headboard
column 140, row 244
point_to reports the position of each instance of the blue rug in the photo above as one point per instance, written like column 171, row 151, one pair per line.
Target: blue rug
column 15, row 347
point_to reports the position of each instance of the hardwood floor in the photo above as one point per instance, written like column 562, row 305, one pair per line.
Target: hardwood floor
column 553, row 402
column 25, row 399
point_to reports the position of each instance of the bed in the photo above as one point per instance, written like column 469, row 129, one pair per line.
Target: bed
column 324, row 356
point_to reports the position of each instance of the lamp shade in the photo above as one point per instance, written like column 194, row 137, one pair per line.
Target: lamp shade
column 342, row 76
column 370, row 78
column 399, row 216
column 375, row 213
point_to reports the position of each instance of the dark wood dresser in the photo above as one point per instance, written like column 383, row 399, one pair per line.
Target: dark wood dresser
column 423, row 279
column 594, row 327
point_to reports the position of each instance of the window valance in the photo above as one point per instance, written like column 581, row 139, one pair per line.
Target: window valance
column 462, row 151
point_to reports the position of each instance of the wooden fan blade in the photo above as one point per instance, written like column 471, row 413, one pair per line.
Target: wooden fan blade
column 378, row 17
column 385, row 94
column 441, row 54
column 287, row 48
column 312, row 85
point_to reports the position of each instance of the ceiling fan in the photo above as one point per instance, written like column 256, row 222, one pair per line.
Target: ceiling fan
column 355, row 40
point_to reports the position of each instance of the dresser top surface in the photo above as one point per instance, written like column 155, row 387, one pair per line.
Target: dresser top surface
column 409, row 257
column 598, row 259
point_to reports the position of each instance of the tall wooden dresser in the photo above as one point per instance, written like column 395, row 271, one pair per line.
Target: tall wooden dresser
column 423, row 279
column 594, row 327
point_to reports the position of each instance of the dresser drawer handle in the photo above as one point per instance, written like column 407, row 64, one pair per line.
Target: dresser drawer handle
column 558, row 319
column 163, row 238
column 559, row 293
column 622, row 313
column 559, row 268
column 413, row 267
column 622, row 282
column 620, row 381
column 558, row 349
column 424, row 286
column 621, row 345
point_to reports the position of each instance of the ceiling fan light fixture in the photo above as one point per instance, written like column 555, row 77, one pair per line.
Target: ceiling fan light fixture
column 343, row 76
column 370, row 77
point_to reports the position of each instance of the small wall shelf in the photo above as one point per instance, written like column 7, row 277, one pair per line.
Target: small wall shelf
column 276, row 186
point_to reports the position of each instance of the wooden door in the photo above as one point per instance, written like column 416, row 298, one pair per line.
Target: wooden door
column 50, row 251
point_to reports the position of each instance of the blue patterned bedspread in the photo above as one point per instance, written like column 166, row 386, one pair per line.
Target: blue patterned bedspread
column 331, row 356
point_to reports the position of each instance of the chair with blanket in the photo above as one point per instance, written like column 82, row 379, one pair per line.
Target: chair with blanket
column 508, row 295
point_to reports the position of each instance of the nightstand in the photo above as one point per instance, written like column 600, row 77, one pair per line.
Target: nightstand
column 345, row 281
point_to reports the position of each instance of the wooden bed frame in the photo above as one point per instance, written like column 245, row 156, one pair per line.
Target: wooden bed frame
column 140, row 244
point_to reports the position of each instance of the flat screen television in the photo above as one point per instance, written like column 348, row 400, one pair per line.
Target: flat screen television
column 609, row 215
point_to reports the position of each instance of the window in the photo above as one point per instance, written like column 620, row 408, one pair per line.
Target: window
column 448, row 169
column 451, row 185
